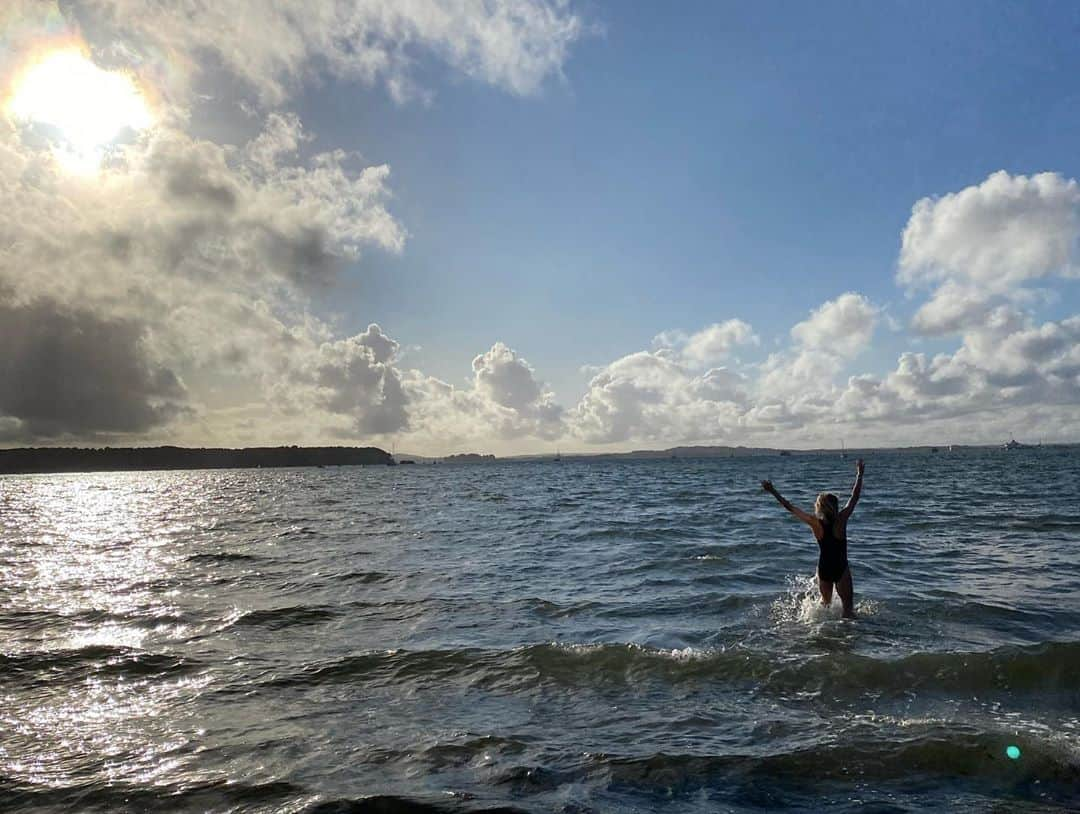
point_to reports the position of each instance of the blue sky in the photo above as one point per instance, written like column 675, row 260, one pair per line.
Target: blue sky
column 450, row 226
column 727, row 160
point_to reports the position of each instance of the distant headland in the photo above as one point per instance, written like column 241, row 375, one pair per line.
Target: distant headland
column 120, row 459
column 469, row 458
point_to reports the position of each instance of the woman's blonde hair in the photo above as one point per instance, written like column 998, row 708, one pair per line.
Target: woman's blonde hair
column 827, row 507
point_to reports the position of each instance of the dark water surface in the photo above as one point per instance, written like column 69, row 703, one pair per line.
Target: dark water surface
column 622, row 636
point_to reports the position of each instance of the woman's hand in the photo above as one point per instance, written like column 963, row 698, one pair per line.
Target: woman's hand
column 768, row 487
column 859, row 466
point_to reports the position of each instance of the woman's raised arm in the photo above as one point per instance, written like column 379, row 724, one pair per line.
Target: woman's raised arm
column 856, row 490
column 809, row 519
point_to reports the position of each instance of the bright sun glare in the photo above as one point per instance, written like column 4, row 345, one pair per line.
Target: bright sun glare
column 89, row 106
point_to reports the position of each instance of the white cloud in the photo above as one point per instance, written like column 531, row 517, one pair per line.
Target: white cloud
column 805, row 375
column 356, row 379
column 649, row 397
column 709, row 346
column 506, row 379
column 978, row 247
column 273, row 47
column 843, row 326
column 505, row 403
column 281, row 138
column 953, row 307
column 1007, row 230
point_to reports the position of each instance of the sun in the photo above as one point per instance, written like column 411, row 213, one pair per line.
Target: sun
column 82, row 108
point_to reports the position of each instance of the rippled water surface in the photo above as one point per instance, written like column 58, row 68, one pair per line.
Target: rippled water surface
column 583, row 636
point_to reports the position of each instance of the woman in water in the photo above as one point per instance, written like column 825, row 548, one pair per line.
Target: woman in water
column 829, row 524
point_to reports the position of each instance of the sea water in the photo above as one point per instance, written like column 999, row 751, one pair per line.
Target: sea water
column 576, row 636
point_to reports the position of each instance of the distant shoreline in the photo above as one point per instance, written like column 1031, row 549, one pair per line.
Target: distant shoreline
column 44, row 460
column 736, row 452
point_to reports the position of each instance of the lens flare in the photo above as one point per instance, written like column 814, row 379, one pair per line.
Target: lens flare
column 82, row 109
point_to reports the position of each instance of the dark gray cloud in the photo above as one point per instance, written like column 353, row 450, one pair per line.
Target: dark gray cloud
column 303, row 254
column 72, row 373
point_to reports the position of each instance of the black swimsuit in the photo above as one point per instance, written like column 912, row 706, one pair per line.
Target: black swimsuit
column 832, row 561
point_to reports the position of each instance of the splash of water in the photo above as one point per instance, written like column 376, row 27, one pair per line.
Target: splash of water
column 801, row 603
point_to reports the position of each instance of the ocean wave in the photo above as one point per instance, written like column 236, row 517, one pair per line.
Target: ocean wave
column 554, row 610
column 276, row 618
column 393, row 804
column 69, row 665
column 221, row 556
column 971, row 760
column 231, row 795
column 362, row 577
column 1052, row 667
column 482, row 749
column 957, row 751
column 674, row 531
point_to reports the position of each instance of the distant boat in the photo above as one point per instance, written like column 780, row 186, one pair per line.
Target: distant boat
column 784, row 453
column 933, row 449
column 843, row 450
column 1014, row 444
column 558, row 456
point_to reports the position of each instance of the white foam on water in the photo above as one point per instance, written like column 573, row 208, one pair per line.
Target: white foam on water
column 686, row 654
column 801, row 603
column 866, row 607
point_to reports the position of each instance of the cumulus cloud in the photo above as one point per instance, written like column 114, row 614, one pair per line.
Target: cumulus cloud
column 804, row 376
column 843, row 326
column 1006, row 369
column 506, row 385
column 978, row 252
column 650, row 397
column 506, row 379
column 356, row 379
column 709, row 346
column 986, row 243
column 663, row 396
column 1006, row 230
column 505, row 402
